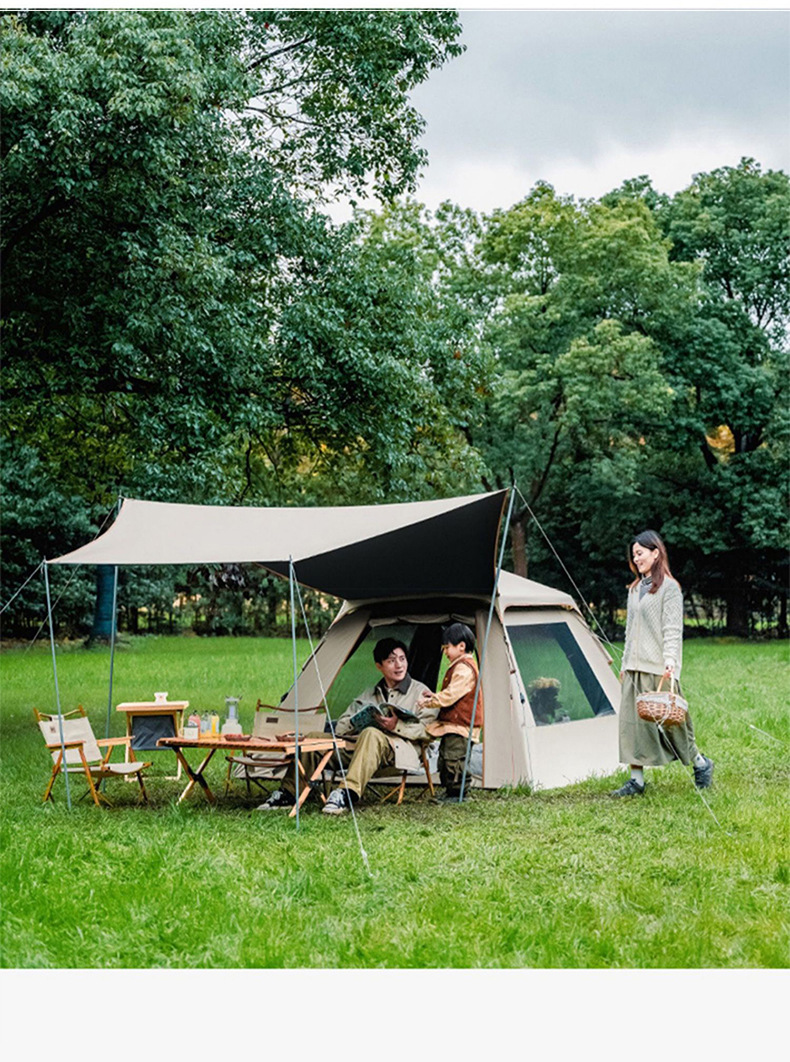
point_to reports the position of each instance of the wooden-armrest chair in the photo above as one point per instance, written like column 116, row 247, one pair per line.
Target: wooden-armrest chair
column 262, row 768
column 84, row 755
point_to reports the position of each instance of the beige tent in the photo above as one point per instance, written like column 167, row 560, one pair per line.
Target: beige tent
column 550, row 693
column 406, row 570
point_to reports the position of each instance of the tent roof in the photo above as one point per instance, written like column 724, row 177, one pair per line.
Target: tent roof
column 359, row 551
column 516, row 592
column 513, row 592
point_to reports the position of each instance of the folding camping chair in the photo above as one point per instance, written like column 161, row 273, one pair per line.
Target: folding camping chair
column 83, row 753
column 259, row 768
column 382, row 777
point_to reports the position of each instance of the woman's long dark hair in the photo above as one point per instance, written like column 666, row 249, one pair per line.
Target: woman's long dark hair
column 660, row 569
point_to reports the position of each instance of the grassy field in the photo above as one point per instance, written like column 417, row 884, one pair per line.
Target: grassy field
column 564, row 878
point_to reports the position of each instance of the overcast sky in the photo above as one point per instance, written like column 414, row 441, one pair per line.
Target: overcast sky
column 585, row 99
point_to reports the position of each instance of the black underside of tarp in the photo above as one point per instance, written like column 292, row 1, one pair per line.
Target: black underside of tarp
column 451, row 553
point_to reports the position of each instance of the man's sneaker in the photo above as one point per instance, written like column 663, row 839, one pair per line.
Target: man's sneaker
column 278, row 799
column 337, row 803
column 703, row 776
column 630, row 789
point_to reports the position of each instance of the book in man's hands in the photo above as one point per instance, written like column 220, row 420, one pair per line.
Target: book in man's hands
column 369, row 715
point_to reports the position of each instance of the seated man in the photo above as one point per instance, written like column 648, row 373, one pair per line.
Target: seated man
column 390, row 742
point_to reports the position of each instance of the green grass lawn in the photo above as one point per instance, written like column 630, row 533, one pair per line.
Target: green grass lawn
column 563, row 878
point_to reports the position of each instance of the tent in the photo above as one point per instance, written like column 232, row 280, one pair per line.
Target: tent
column 406, row 569
column 550, row 693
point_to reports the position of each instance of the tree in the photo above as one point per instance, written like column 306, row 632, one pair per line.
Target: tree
column 671, row 317
column 331, row 95
column 159, row 241
column 40, row 521
column 581, row 387
column 732, row 364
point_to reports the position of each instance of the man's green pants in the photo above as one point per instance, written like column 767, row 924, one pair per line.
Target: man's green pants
column 371, row 751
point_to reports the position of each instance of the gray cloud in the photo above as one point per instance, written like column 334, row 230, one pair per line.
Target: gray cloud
column 536, row 86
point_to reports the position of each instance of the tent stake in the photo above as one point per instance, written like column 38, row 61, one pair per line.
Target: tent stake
column 63, row 764
column 485, row 642
column 292, row 581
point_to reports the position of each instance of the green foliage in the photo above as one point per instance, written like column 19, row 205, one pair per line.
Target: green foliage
column 641, row 379
column 39, row 521
column 730, row 361
column 167, row 298
column 564, row 878
column 179, row 321
column 737, row 220
column 580, row 388
column 334, row 107
column 129, row 282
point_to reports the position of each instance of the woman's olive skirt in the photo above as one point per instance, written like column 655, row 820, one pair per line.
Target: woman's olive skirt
column 643, row 744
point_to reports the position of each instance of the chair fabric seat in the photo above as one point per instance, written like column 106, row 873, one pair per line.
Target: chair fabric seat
column 248, row 761
column 116, row 768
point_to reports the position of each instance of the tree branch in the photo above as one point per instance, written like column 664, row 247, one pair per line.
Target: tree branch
column 50, row 207
column 710, row 460
column 279, row 119
column 247, row 473
column 282, row 86
column 539, row 490
column 278, row 51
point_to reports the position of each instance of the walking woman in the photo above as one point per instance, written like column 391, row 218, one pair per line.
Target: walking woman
column 653, row 648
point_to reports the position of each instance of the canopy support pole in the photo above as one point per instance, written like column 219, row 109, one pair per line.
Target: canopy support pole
column 325, row 703
column 63, row 764
column 112, row 645
column 292, row 584
column 485, row 641
column 112, row 655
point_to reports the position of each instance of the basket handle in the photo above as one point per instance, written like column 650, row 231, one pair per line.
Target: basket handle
column 671, row 683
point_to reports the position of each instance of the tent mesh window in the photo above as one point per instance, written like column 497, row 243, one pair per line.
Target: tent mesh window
column 561, row 686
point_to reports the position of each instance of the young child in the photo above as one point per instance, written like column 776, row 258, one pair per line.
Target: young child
column 455, row 701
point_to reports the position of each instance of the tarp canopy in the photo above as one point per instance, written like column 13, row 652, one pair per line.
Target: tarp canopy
column 358, row 551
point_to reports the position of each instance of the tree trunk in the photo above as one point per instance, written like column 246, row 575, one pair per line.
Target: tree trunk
column 272, row 605
column 693, row 608
column 783, row 614
column 518, row 542
column 737, row 609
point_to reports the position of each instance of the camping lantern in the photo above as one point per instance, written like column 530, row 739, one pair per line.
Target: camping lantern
column 232, row 724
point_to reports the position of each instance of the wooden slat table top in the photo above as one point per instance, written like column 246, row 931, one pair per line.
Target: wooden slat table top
column 144, row 707
column 252, row 744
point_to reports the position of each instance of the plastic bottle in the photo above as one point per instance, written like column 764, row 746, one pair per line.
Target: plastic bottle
column 192, row 726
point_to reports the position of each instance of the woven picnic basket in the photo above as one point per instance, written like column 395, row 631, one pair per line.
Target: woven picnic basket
column 666, row 707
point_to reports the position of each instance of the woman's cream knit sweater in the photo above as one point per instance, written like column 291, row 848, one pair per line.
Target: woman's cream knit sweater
column 654, row 630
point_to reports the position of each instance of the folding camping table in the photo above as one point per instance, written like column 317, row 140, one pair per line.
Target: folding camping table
column 286, row 747
column 147, row 721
